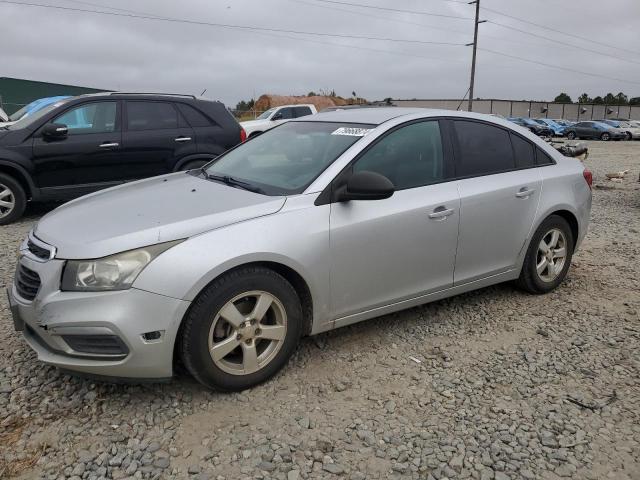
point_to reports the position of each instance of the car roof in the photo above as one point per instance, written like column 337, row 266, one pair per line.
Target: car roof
column 373, row 116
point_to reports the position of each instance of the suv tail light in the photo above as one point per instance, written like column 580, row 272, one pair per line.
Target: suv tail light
column 243, row 135
column 588, row 176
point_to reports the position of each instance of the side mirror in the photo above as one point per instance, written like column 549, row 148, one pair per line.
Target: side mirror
column 55, row 130
column 277, row 116
column 365, row 185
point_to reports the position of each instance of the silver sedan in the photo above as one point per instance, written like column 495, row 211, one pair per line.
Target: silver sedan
column 319, row 223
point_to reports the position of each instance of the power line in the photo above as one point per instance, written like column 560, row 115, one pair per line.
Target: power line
column 231, row 26
column 586, row 39
column 558, row 66
column 389, row 9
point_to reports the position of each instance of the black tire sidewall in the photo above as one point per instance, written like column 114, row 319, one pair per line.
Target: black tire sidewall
column 571, row 136
column 605, row 137
column 18, row 194
column 193, row 164
column 529, row 268
column 195, row 350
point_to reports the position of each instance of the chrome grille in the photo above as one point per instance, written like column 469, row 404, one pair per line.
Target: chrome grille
column 27, row 282
column 38, row 251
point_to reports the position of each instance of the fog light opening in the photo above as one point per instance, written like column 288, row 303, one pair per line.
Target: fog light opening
column 153, row 336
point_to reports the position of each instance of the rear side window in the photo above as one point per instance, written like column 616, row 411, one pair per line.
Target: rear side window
column 302, row 111
column 523, row 152
column 542, row 158
column 410, row 156
column 194, row 117
column 151, row 116
column 482, row 149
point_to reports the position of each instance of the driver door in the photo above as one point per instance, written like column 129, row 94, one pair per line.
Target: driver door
column 384, row 251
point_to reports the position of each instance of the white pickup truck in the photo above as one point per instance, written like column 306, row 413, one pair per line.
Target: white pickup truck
column 276, row 116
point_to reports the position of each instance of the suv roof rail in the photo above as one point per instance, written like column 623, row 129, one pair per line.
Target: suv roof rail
column 150, row 93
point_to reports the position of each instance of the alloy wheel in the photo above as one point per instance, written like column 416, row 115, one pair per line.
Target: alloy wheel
column 7, row 201
column 552, row 255
column 605, row 137
column 247, row 332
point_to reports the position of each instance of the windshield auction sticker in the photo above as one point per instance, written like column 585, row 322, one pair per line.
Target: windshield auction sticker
column 351, row 131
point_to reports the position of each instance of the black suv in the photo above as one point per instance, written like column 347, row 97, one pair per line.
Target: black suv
column 86, row 143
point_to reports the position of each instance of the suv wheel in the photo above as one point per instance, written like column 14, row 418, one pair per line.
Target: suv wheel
column 242, row 329
column 13, row 199
column 548, row 257
column 605, row 137
column 571, row 135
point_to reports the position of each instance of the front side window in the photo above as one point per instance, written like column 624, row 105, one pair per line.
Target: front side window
column 151, row 116
column 482, row 149
column 286, row 159
column 98, row 117
column 285, row 114
column 266, row 115
column 410, row 156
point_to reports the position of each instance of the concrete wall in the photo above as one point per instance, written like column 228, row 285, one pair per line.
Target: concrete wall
column 521, row 108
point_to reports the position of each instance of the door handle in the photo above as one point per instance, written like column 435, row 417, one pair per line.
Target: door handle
column 441, row 213
column 183, row 139
column 525, row 192
column 109, row 145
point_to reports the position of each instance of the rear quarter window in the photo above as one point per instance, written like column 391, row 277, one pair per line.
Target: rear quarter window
column 194, row 117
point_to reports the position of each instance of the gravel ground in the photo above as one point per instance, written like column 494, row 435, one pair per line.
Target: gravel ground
column 494, row 384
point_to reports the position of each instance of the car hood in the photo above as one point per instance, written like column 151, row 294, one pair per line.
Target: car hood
column 147, row 212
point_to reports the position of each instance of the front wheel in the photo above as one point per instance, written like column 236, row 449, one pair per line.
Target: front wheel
column 571, row 135
column 605, row 137
column 548, row 257
column 193, row 165
column 242, row 329
column 13, row 199
column 629, row 136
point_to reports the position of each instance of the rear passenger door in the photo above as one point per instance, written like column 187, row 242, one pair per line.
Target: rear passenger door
column 499, row 190
column 155, row 138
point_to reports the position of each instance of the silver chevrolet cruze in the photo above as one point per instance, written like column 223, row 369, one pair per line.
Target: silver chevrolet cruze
column 319, row 223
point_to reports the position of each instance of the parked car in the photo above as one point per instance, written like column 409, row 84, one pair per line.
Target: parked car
column 276, row 116
column 532, row 126
column 630, row 130
column 563, row 122
column 82, row 144
column 558, row 130
column 31, row 108
column 321, row 222
column 595, row 130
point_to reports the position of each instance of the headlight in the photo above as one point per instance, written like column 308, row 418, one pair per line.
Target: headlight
column 116, row 272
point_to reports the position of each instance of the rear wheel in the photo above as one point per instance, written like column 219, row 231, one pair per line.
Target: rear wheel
column 242, row 329
column 605, row 137
column 629, row 136
column 548, row 257
column 13, row 199
column 571, row 135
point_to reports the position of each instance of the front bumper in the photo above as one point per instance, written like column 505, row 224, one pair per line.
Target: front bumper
column 126, row 315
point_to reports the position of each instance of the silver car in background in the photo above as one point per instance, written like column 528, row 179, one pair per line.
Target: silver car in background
column 319, row 223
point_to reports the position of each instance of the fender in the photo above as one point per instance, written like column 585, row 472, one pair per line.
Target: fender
column 33, row 190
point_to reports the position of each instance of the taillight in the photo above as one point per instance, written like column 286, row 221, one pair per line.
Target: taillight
column 243, row 135
column 588, row 176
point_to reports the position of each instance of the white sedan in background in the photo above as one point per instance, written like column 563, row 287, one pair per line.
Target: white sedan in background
column 276, row 116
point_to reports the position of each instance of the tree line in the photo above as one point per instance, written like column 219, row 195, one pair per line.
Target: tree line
column 608, row 99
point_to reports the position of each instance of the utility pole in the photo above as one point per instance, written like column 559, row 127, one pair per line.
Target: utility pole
column 475, row 46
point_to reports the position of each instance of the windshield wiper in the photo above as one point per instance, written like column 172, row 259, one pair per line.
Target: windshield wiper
column 233, row 182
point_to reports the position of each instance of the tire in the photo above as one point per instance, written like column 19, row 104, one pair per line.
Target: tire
column 605, row 137
column 13, row 199
column 530, row 279
column 192, row 165
column 571, row 135
column 629, row 136
column 238, row 293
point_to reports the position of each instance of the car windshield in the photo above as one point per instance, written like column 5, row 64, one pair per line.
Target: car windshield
column 27, row 120
column 285, row 160
column 528, row 121
column 17, row 115
column 266, row 114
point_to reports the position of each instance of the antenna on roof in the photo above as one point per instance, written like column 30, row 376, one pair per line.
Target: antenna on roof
column 203, row 92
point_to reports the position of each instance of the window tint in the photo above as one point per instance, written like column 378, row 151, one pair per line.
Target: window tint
column 542, row 158
column 151, row 116
column 302, row 111
column 193, row 116
column 99, row 117
column 410, row 156
column 285, row 113
column 523, row 151
column 482, row 149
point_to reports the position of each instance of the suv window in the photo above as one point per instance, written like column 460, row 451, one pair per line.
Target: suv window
column 482, row 149
column 302, row 111
column 151, row 116
column 410, row 156
column 194, row 117
column 523, row 152
column 285, row 113
column 97, row 117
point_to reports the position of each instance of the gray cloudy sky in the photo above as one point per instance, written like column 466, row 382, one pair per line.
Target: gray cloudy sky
column 146, row 55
